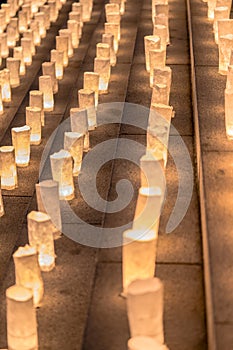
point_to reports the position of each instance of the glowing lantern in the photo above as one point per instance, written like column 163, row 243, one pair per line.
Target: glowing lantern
column 152, row 172
column 11, row 35
column 160, row 94
column 112, row 8
column 164, row 21
column 14, row 23
column 120, row 3
column 103, row 68
column 29, row 34
column 36, row 99
column 73, row 26
column 157, row 59
column 27, row 272
column 62, row 43
column 21, row 319
column 164, row 111
column 91, row 82
column 102, row 50
column 225, row 45
column 1, row 104
column 23, row 21
column 18, row 53
column 21, row 143
column 4, row 46
column 57, row 58
column 6, row 8
column 228, row 113
column 145, row 308
column 162, row 75
column 113, row 17
column 73, row 142
column 139, row 256
column 225, row 26
column 86, row 100
column 161, row 31
column 36, row 32
column 40, row 236
column 219, row 13
column 48, row 68
column 67, row 33
column 26, row 44
column 45, row 86
column 1, row 205
column 160, row 9
column 109, row 39
column 148, row 343
column 13, row 9
column 28, row 9
column 33, row 119
column 114, row 29
column 86, row 9
column 77, row 16
column 157, row 140
column 151, row 42
column 78, row 8
column 40, row 18
column 53, row 10
column 2, row 20
column 211, row 7
column 62, row 172
column 5, row 84
column 47, row 195
column 13, row 64
column 46, row 10
column 8, row 168
column 79, row 124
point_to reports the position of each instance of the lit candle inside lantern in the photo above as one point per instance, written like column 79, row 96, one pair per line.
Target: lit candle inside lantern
column 46, row 10
column 5, row 84
column 219, row 13
column 36, row 99
column 62, row 43
column 211, row 7
column 157, row 140
column 73, row 142
column 21, row 319
column 161, row 31
column 225, row 45
column 18, row 53
column 86, row 100
column 26, row 44
column 160, row 94
column 76, row 16
column 13, row 64
column 109, row 39
column 73, row 26
column 36, row 32
column 87, row 8
column 48, row 68
column 91, row 82
column 114, row 29
column 162, row 19
column 8, row 168
column 138, row 256
column 67, row 33
column 21, row 143
column 33, row 119
column 29, row 34
column 151, row 42
column 23, row 21
column 47, row 195
column 152, row 172
column 2, row 212
column 103, row 68
column 27, row 272
column 157, row 59
column 2, row 20
column 40, row 18
column 6, row 7
column 53, row 10
column 79, row 124
column 62, row 172
column 4, row 46
column 40, row 235
column 162, row 75
column 45, row 86
column 57, row 58
column 228, row 113
column 145, row 308
column 148, row 343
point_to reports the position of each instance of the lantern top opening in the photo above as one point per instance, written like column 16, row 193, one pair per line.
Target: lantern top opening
column 140, row 235
column 143, row 286
column 150, row 191
column 19, row 293
column 61, row 154
column 27, row 250
column 21, row 128
column 38, row 216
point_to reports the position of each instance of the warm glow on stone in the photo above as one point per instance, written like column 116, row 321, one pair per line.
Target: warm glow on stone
column 8, row 168
column 21, row 143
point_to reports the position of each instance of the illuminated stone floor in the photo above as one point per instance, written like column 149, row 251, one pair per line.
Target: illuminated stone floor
column 82, row 308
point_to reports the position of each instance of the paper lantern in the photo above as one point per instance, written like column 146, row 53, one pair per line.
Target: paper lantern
column 211, row 7
column 161, row 31
column 27, row 272
column 2, row 20
column 145, row 308
column 28, row 9
column 163, row 20
column 29, row 34
column 45, row 86
column 73, row 142
column 13, row 64
column 160, row 9
column 47, row 195
column 77, row 16
column 78, row 8
column 79, row 124
column 4, row 46
column 53, row 10
column 162, row 75
column 46, row 10
column 157, row 59
column 34, row 25
column 8, row 168
column 148, row 343
column 1, row 104
column 160, row 94
column 26, row 44
column 40, row 18
column 228, row 113
column 57, row 58
column 86, row 10
column 40, row 236
column 21, row 143
column 102, row 50
column 18, row 53
column 67, row 33
column 23, row 21
column 36, row 99
column 86, row 100
column 13, row 8
column 103, row 68
column 157, row 141
column 62, row 43
column 112, row 8
column 91, row 82
column 5, row 84
column 138, row 256
column 6, row 8
column 62, row 172
column 219, row 13
column 11, row 35
column 21, row 319
column 14, row 23
column 114, row 29
column 151, row 42
column 225, row 45
column 114, row 17
column 48, row 68
column 73, row 26
column 164, row 112
column 33, row 119
column 2, row 212
column 109, row 39
column 121, row 5
column 152, row 172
